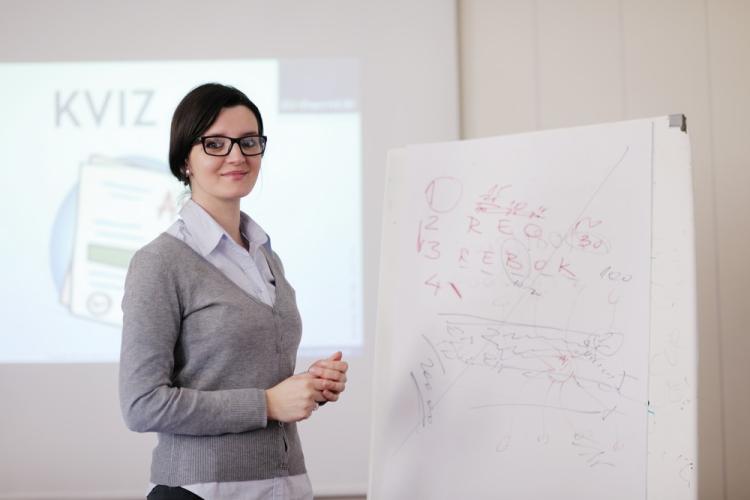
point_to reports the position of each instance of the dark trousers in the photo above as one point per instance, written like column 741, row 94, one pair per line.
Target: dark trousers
column 171, row 493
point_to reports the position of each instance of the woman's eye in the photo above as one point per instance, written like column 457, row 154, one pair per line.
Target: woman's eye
column 214, row 144
column 248, row 142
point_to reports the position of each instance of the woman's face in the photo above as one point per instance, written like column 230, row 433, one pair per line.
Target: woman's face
column 225, row 178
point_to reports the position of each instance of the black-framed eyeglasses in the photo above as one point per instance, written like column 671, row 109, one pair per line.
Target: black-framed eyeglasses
column 221, row 145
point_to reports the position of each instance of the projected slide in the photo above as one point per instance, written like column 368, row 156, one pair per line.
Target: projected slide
column 86, row 183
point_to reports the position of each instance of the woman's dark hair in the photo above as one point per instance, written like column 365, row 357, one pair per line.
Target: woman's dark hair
column 195, row 114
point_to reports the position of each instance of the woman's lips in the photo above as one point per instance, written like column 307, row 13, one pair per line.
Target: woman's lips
column 235, row 176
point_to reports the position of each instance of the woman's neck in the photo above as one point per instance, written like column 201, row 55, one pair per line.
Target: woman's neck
column 227, row 214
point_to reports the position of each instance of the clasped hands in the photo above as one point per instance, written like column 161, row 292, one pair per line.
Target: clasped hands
column 298, row 396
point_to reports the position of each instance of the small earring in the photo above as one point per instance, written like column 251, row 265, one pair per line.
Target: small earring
column 187, row 171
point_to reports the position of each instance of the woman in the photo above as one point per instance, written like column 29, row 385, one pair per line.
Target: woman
column 211, row 327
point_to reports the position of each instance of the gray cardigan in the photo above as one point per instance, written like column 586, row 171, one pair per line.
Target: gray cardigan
column 197, row 354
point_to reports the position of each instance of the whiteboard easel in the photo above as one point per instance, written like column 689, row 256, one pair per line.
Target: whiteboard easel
column 467, row 431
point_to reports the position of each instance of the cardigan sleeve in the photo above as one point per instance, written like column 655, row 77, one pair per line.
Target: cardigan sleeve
column 149, row 401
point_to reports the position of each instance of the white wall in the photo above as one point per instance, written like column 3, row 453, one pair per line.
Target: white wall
column 536, row 64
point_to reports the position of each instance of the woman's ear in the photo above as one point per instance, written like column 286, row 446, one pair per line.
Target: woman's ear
column 186, row 173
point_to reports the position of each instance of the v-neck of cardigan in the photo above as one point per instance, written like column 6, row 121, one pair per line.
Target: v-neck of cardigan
column 216, row 270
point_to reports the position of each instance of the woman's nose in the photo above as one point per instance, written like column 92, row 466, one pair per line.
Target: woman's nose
column 235, row 154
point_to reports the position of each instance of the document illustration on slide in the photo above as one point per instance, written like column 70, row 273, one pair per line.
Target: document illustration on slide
column 121, row 207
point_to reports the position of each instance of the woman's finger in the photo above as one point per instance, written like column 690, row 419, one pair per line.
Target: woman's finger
column 328, row 374
column 322, row 384
column 341, row 366
column 331, row 396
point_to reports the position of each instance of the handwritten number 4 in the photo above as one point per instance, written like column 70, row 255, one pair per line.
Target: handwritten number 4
column 435, row 284
column 431, row 282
